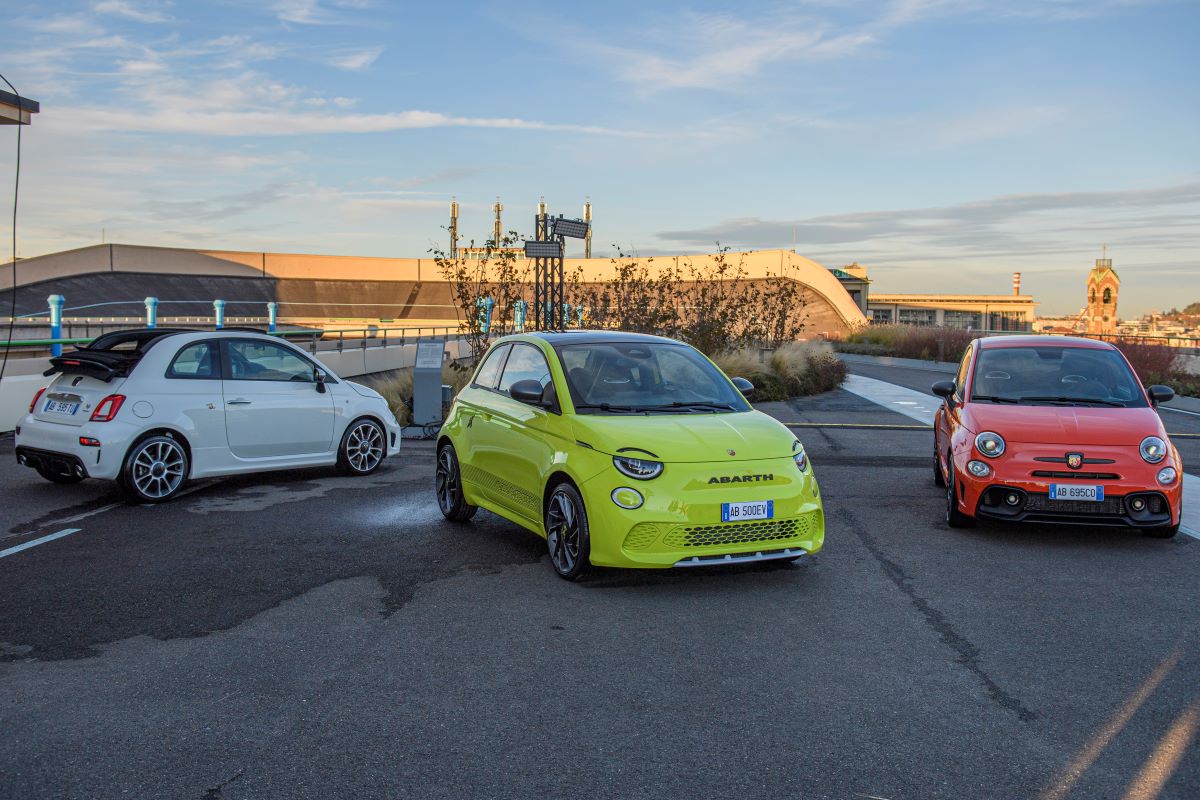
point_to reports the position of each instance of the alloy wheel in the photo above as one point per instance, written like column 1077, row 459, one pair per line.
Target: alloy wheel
column 446, row 480
column 563, row 532
column 364, row 447
column 158, row 468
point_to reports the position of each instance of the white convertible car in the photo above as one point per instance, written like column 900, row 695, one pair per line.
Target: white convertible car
column 151, row 408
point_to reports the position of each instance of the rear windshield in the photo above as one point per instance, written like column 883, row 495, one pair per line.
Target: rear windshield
column 1055, row 376
column 645, row 378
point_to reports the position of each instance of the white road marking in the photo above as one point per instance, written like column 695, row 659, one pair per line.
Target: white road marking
column 1179, row 411
column 921, row 407
column 35, row 542
column 910, row 403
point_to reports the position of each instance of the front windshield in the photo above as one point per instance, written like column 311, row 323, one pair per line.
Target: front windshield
column 645, row 378
column 1055, row 375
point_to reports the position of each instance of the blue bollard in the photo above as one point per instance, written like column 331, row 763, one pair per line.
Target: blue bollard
column 56, row 301
column 151, row 312
column 579, row 316
column 219, row 312
column 566, row 315
column 272, row 316
column 485, row 313
column 520, row 311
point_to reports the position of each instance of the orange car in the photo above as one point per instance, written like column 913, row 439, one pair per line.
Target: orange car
column 1055, row 429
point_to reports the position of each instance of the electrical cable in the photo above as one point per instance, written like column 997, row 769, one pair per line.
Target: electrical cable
column 12, row 313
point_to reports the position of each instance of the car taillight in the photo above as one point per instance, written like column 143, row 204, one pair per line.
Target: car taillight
column 107, row 408
column 36, row 397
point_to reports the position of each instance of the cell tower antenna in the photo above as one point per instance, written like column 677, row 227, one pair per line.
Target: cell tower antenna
column 454, row 227
column 497, row 226
column 587, row 217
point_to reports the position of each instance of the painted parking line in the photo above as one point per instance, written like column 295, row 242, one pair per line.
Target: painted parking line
column 921, row 407
column 42, row 540
column 913, row 404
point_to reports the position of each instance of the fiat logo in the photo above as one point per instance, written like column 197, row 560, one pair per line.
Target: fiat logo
column 1074, row 460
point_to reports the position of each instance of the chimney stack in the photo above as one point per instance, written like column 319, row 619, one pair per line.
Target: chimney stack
column 587, row 217
column 453, row 227
column 497, row 226
column 1016, row 283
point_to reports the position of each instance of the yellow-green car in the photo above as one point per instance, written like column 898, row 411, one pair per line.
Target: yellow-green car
column 625, row 450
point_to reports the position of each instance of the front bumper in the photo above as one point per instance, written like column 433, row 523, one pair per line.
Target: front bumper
column 679, row 522
column 1132, row 495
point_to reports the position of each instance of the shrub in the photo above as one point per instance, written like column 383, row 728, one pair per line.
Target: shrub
column 907, row 341
column 794, row 369
column 1156, row 363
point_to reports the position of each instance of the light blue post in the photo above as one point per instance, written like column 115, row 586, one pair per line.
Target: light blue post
column 579, row 315
column 56, row 302
column 566, row 315
column 272, row 316
column 219, row 312
column 485, row 313
column 151, row 312
column 520, row 311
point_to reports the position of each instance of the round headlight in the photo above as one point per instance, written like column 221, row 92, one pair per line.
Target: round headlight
column 1153, row 449
column 978, row 469
column 799, row 456
column 627, row 497
column 990, row 444
column 1167, row 475
column 638, row 468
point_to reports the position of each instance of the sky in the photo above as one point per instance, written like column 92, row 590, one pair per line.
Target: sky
column 943, row 143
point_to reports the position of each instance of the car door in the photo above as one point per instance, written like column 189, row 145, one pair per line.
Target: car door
column 516, row 440
column 273, row 408
column 474, row 406
column 949, row 415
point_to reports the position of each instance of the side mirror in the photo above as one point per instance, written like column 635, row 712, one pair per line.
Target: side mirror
column 319, row 377
column 528, row 392
column 1160, row 394
column 744, row 386
column 944, row 389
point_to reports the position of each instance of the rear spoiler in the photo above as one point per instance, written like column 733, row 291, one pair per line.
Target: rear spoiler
column 102, row 364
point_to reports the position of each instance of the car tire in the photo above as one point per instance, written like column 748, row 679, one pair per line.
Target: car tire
column 1163, row 532
column 363, row 447
column 154, row 469
column 568, row 540
column 954, row 517
column 64, row 478
column 939, row 479
column 448, row 487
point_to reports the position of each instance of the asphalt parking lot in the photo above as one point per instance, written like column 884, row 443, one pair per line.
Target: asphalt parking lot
column 302, row 635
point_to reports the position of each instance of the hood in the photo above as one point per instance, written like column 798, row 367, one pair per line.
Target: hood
column 1066, row 425
column 684, row 438
column 365, row 391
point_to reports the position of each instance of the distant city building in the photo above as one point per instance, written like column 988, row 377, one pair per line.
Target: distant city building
column 995, row 312
column 1103, row 283
column 853, row 278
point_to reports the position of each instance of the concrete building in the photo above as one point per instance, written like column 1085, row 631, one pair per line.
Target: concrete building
column 992, row 312
column 112, row 280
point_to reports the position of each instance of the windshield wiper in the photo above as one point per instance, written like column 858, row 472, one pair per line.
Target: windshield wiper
column 1061, row 399
column 610, row 407
column 993, row 398
column 679, row 405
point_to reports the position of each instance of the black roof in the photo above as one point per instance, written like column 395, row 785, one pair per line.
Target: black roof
column 588, row 337
column 24, row 103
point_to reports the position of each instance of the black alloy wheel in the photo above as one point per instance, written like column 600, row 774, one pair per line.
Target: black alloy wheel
column 954, row 517
column 448, row 485
column 567, row 537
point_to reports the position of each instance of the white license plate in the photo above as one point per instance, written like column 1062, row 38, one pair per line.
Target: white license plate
column 59, row 407
column 736, row 512
column 1071, row 491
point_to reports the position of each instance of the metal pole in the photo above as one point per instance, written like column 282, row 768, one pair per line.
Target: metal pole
column 55, row 302
column 219, row 313
column 272, row 316
column 151, row 312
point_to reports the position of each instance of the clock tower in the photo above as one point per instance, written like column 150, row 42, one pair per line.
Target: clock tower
column 1102, row 286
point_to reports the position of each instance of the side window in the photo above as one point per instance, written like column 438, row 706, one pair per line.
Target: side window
column 199, row 360
column 526, row 363
column 489, row 372
column 960, row 380
column 253, row 360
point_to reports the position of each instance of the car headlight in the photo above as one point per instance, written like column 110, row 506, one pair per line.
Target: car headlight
column 799, row 456
column 1167, row 475
column 1153, row 449
column 978, row 469
column 639, row 468
column 990, row 444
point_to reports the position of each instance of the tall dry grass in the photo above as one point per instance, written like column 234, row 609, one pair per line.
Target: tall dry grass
column 794, row 369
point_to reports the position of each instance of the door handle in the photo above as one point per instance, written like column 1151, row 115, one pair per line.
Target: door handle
column 238, row 402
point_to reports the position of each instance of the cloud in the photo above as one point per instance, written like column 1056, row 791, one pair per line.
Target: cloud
column 312, row 12
column 136, row 12
column 357, row 60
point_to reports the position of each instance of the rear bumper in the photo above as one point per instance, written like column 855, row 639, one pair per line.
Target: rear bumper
column 48, row 440
column 50, row 461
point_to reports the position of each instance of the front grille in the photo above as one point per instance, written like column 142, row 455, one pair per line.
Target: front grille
column 772, row 530
column 1095, row 476
column 1042, row 502
column 641, row 536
